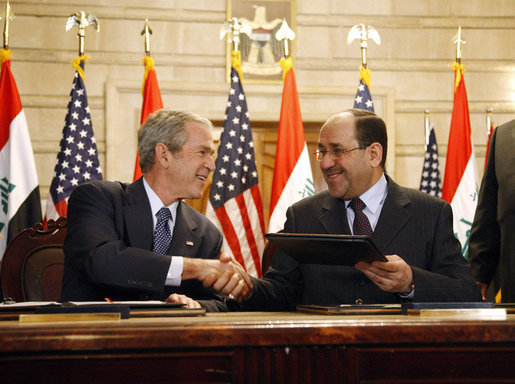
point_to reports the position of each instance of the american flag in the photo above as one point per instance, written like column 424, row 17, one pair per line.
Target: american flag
column 430, row 181
column 235, row 204
column 77, row 160
column 363, row 99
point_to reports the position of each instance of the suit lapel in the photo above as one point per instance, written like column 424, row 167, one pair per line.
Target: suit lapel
column 138, row 216
column 185, row 239
column 334, row 217
column 394, row 215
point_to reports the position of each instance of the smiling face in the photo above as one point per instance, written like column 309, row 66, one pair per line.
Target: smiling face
column 356, row 171
column 189, row 168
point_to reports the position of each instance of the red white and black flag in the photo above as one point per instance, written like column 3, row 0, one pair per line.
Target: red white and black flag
column 19, row 188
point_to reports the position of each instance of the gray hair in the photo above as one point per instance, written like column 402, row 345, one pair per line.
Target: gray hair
column 168, row 127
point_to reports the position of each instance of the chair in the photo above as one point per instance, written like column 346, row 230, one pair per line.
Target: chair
column 33, row 262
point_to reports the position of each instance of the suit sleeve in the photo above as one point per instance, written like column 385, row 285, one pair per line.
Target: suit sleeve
column 280, row 288
column 94, row 247
column 485, row 236
column 447, row 276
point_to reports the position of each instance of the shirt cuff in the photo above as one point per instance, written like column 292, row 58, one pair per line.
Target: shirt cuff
column 408, row 296
column 173, row 277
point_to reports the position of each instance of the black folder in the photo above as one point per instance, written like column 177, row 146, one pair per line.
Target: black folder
column 327, row 249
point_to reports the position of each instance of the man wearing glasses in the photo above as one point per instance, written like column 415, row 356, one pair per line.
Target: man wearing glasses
column 412, row 228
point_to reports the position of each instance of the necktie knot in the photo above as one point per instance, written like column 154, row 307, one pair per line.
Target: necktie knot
column 162, row 234
column 357, row 204
column 163, row 214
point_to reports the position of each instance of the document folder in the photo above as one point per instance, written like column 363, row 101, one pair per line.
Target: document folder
column 327, row 249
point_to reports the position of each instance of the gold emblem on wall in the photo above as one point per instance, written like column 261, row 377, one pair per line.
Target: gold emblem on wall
column 261, row 52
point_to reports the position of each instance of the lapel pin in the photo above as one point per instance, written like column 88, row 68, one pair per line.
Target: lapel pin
column 189, row 243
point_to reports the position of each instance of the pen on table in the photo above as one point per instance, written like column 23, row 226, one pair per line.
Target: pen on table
column 108, row 300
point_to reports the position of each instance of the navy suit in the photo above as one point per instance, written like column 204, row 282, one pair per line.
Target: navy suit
column 412, row 224
column 109, row 241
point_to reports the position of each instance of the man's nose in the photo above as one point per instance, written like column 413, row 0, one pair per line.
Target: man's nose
column 327, row 162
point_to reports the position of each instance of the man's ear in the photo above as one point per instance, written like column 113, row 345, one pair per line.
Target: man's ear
column 376, row 154
column 162, row 154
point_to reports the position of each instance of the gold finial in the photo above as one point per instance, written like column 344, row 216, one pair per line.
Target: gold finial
column 359, row 31
column 82, row 21
column 8, row 16
column 234, row 27
column 458, row 40
column 285, row 33
column 147, row 32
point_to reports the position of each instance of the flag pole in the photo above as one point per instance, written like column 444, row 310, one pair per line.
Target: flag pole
column 285, row 34
column 427, row 125
column 8, row 16
column 232, row 29
column 147, row 32
column 363, row 33
column 489, row 111
column 458, row 40
column 82, row 21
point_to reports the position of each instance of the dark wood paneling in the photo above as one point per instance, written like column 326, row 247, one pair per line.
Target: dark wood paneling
column 260, row 347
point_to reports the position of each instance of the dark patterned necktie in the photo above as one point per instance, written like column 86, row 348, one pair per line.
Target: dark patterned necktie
column 162, row 235
column 361, row 224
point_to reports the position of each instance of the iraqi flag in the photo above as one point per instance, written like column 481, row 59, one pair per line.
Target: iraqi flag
column 151, row 101
column 293, row 179
column 19, row 189
column 460, row 184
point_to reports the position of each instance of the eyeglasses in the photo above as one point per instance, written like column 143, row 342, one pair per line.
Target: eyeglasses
column 336, row 154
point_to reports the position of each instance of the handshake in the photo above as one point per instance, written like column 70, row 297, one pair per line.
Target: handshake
column 226, row 276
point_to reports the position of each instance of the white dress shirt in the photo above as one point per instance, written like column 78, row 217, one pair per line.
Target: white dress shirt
column 173, row 276
column 374, row 199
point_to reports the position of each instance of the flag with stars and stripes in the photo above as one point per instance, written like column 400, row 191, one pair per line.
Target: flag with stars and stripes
column 363, row 99
column 235, row 204
column 77, row 160
column 430, row 181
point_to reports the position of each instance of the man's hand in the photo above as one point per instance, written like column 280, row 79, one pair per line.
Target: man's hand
column 176, row 298
column 226, row 276
column 394, row 276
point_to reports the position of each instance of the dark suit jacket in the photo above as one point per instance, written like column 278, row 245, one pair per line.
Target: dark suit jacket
column 412, row 224
column 109, row 241
column 492, row 237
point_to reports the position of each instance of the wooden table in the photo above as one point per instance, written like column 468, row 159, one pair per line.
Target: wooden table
column 261, row 347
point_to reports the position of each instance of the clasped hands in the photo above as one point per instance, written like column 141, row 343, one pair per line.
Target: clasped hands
column 225, row 276
column 394, row 276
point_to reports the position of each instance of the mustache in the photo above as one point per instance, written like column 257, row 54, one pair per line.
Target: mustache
column 333, row 170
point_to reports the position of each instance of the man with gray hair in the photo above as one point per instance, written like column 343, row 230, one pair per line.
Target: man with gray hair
column 140, row 241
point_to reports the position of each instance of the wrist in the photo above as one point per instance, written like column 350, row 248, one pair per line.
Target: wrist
column 409, row 289
column 190, row 269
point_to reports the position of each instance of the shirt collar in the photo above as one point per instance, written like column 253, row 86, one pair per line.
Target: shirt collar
column 156, row 204
column 375, row 195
